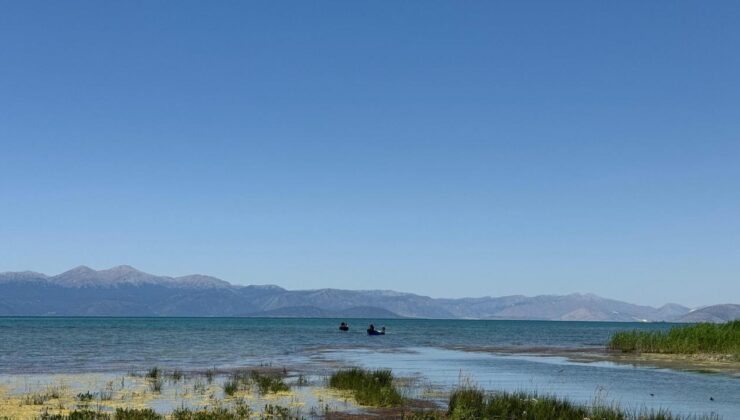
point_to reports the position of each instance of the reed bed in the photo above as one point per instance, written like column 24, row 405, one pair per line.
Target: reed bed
column 704, row 338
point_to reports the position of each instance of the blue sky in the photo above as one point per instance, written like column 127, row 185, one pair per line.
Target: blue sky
column 441, row 148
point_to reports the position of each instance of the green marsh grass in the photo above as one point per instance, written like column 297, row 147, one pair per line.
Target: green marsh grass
column 704, row 338
column 231, row 386
column 265, row 383
column 472, row 403
column 369, row 387
column 268, row 383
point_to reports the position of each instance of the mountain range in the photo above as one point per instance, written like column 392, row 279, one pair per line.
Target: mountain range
column 126, row 291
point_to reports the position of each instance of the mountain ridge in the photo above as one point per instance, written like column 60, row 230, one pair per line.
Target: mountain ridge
column 125, row 291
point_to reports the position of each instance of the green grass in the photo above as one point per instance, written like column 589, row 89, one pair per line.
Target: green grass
column 231, row 386
column 472, row 403
column 120, row 414
column 715, row 339
column 265, row 383
column 372, row 388
column 240, row 411
column 268, row 383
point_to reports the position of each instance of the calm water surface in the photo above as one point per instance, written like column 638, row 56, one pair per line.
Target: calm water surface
column 428, row 349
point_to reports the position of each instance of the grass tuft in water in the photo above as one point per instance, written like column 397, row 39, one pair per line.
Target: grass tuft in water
column 231, row 386
column 369, row 387
column 40, row 398
column 155, row 385
column 265, row 383
column 153, row 373
column 268, row 383
column 210, row 375
column 177, row 375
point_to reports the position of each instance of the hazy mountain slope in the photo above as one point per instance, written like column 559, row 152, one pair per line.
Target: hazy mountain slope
column 714, row 313
column 314, row 312
column 403, row 304
column 125, row 291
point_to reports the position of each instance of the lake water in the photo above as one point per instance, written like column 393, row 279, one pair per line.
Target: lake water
column 433, row 351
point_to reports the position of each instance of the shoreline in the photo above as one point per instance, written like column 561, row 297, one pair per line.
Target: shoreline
column 703, row 363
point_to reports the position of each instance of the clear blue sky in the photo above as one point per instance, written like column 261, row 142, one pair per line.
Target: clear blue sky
column 443, row 148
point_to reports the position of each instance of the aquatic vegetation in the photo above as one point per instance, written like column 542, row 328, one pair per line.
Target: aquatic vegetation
column 156, row 385
column 40, row 398
column 472, row 403
column 704, row 338
column 199, row 387
column 301, row 380
column 120, row 414
column 279, row 412
column 77, row 415
column 369, row 387
column 153, row 373
column 231, row 386
column 136, row 414
column 240, row 411
column 177, row 375
column 267, row 383
column 210, row 375
column 36, row 398
column 84, row 396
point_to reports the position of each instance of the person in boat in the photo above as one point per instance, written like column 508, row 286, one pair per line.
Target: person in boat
column 344, row 326
column 372, row 331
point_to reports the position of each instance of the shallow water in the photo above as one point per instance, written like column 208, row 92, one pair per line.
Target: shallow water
column 682, row 392
column 430, row 350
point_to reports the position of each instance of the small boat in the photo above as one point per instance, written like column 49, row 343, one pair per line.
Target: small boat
column 373, row 331
column 343, row 326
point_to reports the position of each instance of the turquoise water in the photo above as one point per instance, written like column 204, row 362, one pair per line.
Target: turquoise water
column 430, row 350
column 110, row 344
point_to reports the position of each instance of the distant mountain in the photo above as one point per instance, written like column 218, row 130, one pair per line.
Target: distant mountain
column 714, row 313
column 314, row 312
column 126, row 291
